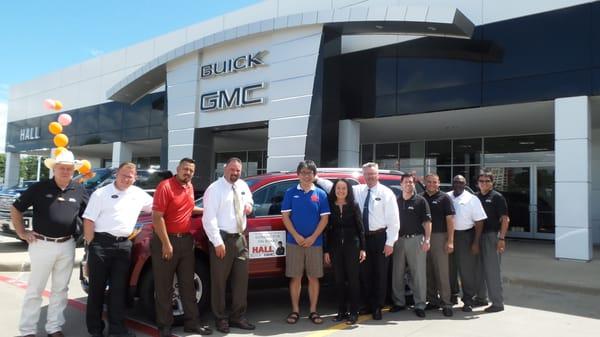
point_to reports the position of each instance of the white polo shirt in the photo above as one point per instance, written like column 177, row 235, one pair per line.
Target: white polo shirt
column 383, row 209
column 114, row 211
column 219, row 213
column 468, row 210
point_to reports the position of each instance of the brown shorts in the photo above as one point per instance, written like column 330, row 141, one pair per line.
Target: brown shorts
column 298, row 259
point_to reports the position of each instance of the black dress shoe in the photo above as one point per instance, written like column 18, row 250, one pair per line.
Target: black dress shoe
column 165, row 331
column 242, row 324
column 396, row 308
column 420, row 313
column 377, row 314
column 222, row 325
column 494, row 308
column 467, row 308
column 92, row 335
column 454, row 299
column 199, row 329
column 352, row 318
column 447, row 311
column 340, row 317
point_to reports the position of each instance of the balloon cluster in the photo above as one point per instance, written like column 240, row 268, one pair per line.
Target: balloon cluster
column 60, row 139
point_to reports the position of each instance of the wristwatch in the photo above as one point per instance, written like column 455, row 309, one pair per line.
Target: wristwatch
column 427, row 241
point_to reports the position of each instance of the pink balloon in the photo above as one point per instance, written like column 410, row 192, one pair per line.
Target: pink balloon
column 49, row 104
column 64, row 119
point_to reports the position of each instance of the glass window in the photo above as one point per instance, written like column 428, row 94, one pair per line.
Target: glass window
column 467, row 151
column 268, row 199
column 366, row 153
column 386, row 155
column 411, row 155
column 519, row 149
column 438, row 152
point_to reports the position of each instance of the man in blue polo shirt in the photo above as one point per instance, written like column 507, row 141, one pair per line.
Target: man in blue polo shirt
column 305, row 211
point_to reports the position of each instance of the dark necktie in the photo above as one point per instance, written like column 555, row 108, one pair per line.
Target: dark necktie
column 366, row 212
column 238, row 210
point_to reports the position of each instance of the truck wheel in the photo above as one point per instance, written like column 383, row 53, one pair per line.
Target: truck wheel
column 201, row 284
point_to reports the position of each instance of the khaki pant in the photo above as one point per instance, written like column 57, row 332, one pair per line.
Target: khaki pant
column 407, row 251
column 438, row 282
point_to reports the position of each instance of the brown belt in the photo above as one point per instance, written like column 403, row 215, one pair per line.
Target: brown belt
column 380, row 230
column 57, row 240
column 179, row 235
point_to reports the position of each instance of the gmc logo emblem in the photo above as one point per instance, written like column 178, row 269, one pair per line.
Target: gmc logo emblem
column 239, row 97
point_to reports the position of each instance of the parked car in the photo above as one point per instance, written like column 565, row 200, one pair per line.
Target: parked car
column 7, row 197
column 264, row 230
column 147, row 180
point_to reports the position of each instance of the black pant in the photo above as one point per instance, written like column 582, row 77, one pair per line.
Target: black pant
column 346, row 266
column 108, row 263
column 182, row 263
column 374, row 272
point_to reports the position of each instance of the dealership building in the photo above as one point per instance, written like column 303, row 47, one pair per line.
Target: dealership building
column 426, row 86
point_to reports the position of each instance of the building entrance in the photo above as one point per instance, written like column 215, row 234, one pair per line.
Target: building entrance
column 529, row 191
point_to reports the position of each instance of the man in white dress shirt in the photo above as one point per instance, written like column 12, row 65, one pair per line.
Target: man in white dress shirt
column 468, row 223
column 227, row 201
column 382, row 223
column 109, row 219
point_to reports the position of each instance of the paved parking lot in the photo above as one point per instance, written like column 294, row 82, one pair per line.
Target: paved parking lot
column 528, row 312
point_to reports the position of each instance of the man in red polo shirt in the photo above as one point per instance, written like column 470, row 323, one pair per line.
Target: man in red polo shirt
column 172, row 251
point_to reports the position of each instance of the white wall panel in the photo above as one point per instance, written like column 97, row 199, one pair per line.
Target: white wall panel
column 285, row 146
column 139, row 53
column 70, row 75
column 91, row 69
column 292, row 126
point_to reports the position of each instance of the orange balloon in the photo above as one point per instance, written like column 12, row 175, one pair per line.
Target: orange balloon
column 58, row 105
column 58, row 151
column 85, row 167
column 55, row 128
column 61, row 140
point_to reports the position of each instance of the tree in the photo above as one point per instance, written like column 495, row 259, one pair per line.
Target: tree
column 29, row 167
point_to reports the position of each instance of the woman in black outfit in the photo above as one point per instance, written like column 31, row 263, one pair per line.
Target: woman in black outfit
column 345, row 248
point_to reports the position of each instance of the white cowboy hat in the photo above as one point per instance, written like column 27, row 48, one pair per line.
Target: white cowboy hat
column 65, row 157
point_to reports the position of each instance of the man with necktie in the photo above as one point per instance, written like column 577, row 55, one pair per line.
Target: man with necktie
column 382, row 223
column 227, row 201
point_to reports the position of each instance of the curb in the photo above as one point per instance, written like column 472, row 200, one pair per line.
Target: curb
column 25, row 266
column 551, row 285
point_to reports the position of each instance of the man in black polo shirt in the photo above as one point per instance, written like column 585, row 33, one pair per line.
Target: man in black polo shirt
column 442, row 244
column 57, row 206
column 492, row 239
column 411, row 247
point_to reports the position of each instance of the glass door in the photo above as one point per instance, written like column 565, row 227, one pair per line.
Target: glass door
column 529, row 192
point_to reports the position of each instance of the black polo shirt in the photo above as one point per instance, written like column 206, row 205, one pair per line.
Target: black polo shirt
column 55, row 211
column 441, row 206
column 413, row 212
column 495, row 206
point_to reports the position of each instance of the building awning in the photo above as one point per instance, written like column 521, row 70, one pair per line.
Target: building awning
column 426, row 21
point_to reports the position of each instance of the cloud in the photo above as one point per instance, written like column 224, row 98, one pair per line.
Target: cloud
column 95, row 52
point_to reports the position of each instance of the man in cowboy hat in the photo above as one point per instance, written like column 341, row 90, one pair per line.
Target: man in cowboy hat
column 57, row 205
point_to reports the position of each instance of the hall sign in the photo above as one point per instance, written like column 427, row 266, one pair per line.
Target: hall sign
column 237, row 97
column 29, row 134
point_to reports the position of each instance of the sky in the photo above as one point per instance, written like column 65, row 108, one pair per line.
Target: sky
column 38, row 36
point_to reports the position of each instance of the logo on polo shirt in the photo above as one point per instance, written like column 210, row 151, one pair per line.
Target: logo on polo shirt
column 49, row 196
column 296, row 196
column 410, row 207
column 378, row 199
column 114, row 196
column 434, row 202
column 72, row 200
column 488, row 200
column 314, row 198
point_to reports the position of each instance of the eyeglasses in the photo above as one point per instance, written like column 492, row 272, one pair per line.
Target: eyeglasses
column 306, row 173
column 485, row 181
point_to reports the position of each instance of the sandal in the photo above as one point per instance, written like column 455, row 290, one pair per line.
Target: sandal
column 315, row 318
column 293, row 317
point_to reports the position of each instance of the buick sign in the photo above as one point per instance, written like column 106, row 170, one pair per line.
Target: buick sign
column 232, row 65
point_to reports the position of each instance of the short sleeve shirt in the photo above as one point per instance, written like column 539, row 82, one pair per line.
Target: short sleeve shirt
column 114, row 211
column 441, row 206
column 306, row 209
column 56, row 212
column 176, row 202
column 495, row 207
column 413, row 212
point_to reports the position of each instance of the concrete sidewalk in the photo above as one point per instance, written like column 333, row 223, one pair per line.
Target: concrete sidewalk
column 525, row 262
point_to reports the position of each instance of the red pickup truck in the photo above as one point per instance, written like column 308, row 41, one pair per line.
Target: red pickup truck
column 266, row 233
